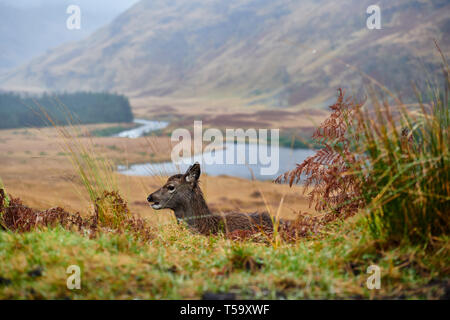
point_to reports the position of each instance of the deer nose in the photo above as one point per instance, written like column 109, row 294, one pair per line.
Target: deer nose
column 150, row 198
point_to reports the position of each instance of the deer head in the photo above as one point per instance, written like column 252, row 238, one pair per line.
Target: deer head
column 181, row 193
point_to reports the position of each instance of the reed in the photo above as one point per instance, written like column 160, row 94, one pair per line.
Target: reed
column 405, row 166
column 386, row 158
column 95, row 171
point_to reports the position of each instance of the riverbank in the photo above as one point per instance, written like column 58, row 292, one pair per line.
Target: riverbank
column 255, row 162
column 279, row 160
column 35, row 168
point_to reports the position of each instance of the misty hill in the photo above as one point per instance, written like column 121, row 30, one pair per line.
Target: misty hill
column 278, row 53
column 29, row 27
column 65, row 108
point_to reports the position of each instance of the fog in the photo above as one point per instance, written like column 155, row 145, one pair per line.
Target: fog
column 30, row 27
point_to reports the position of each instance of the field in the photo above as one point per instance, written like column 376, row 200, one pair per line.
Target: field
column 226, row 112
column 364, row 86
column 167, row 261
column 35, row 168
column 179, row 265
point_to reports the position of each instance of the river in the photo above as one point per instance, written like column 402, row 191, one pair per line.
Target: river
column 146, row 126
column 287, row 159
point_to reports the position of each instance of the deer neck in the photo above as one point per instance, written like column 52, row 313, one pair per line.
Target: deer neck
column 196, row 214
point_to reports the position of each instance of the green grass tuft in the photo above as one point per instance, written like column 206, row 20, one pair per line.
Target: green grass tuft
column 406, row 168
column 180, row 265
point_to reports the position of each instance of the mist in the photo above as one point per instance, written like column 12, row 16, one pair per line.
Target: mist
column 28, row 28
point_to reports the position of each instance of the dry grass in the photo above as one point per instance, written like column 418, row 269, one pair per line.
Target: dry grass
column 17, row 217
column 389, row 160
column 34, row 168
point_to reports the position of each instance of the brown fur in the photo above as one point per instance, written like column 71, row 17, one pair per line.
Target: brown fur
column 183, row 195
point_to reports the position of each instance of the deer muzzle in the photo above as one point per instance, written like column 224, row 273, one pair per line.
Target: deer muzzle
column 156, row 204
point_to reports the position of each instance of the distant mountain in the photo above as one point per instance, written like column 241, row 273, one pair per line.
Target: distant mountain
column 278, row 53
column 29, row 27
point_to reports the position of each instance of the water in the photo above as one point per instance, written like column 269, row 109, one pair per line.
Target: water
column 146, row 127
column 288, row 158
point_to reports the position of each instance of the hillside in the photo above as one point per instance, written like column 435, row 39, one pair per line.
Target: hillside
column 282, row 53
column 30, row 27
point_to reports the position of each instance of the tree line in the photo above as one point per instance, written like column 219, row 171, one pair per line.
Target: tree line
column 24, row 110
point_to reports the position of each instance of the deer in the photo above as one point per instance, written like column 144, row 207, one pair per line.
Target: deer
column 182, row 194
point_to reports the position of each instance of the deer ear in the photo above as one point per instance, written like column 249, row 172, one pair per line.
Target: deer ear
column 193, row 173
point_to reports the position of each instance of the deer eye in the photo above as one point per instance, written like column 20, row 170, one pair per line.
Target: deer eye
column 171, row 187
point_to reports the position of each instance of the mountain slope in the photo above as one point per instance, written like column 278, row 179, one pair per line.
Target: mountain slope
column 29, row 27
column 281, row 53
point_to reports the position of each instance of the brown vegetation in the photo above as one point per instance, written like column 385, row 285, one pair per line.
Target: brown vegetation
column 182, row 194
column 17, row 217
column 329, row 172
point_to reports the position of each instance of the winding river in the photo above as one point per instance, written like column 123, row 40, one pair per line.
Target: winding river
column 287, row 159
column 146, row 126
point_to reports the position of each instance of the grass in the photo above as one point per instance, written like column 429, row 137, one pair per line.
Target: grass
column 95, row 171
column 296, row 142
column 176, row 264
column 158, row 133
column 4, row 203
column 399, row 166
column 179, row 265
column 288, row 140
column 110, row 131
column 405, row 166
column 387, row 160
